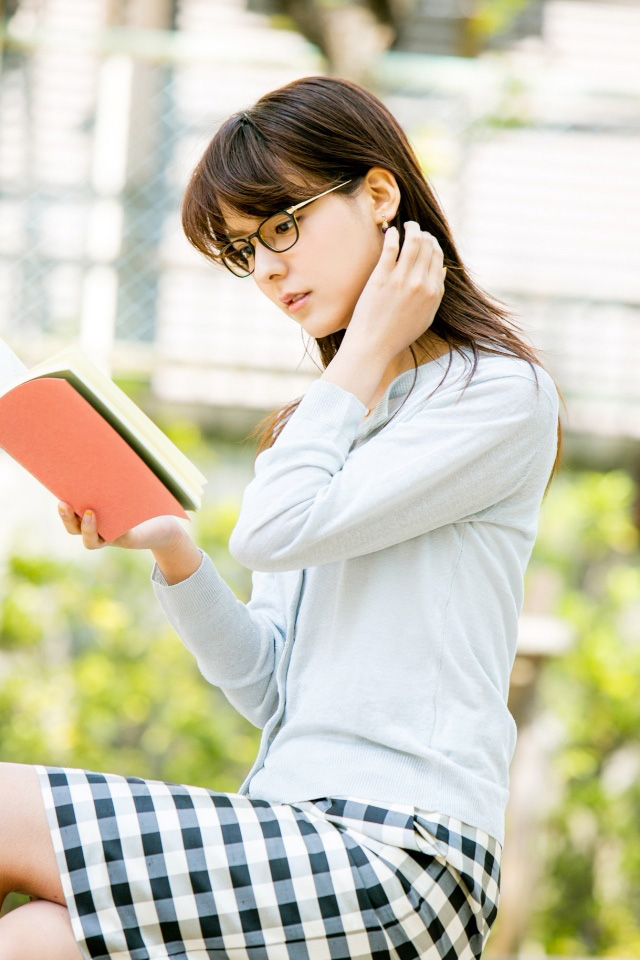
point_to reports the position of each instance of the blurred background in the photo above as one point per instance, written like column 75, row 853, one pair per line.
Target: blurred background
column 525, row 115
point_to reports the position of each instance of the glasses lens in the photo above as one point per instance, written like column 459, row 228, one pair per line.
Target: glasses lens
column 279, row 232
column 239, row 257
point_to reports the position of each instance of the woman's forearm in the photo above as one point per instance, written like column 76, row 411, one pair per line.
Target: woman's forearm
column 357, row 367
column 179, row 561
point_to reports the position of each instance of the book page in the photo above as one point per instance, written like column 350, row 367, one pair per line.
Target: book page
column 11, row 367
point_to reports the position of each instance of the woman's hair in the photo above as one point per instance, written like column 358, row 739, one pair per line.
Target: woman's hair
column 303, row 138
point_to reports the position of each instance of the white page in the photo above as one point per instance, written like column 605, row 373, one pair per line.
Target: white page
column 11, row 367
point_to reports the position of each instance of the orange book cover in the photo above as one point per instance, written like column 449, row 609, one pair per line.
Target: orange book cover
column 59, row 436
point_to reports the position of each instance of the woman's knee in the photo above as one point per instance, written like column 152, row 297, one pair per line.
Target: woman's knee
column 39, row 929
column 27, row 859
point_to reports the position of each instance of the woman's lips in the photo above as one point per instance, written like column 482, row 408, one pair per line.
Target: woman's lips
column 299, row 303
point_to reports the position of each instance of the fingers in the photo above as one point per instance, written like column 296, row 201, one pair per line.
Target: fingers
column 412, row 247
column 423, row 264
column 425, row 258
column 433, row 272
column 90, row 536
column 70, row 519
column 390, row 244
column 86, row 527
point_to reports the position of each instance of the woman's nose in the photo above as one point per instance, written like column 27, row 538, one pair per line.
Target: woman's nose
column 267, row 263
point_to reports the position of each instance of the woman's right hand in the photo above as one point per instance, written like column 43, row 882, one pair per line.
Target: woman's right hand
column 159, row 533
column 400, row 299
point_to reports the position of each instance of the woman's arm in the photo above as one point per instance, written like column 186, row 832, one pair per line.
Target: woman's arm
column 237, row 646
column 314, row 500
column 178, row 562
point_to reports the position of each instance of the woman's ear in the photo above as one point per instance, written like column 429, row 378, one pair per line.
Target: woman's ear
column 383, row 191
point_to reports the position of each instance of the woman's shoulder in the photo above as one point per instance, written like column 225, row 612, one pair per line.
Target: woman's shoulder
column 495, row 366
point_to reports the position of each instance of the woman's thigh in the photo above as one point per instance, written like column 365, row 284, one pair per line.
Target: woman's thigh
column 27, row 859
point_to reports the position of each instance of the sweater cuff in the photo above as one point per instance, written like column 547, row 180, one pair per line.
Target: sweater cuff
column 197, row 594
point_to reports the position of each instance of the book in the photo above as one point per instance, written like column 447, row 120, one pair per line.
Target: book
column 67, row 423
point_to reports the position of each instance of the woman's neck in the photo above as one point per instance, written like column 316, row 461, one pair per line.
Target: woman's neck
column 436, row 347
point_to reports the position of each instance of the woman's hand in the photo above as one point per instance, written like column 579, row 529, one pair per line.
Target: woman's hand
column 155, row 534
column 402, row 295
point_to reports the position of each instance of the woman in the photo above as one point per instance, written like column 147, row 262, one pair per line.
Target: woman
column 388, row 527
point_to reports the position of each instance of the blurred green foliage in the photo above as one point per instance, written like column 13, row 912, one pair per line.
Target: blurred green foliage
column 589, row 901
column 492, row 17
column 93, row 676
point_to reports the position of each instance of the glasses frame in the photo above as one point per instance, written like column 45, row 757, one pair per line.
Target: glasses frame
column 291, row 212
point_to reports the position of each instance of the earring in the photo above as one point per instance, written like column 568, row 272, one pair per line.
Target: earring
column 385, row 225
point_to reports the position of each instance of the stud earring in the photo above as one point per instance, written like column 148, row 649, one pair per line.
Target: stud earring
column 385, row 225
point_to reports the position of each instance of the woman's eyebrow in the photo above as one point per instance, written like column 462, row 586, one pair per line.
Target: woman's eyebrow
column 239, row 236
column 247, row 231
column 242, row 232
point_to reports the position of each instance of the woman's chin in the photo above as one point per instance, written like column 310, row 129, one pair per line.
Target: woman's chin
column 318, row 328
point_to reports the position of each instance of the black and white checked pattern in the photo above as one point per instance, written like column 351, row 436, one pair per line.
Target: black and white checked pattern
column 152, row 870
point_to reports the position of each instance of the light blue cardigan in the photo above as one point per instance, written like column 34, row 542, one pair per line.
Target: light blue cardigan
column 376, row 648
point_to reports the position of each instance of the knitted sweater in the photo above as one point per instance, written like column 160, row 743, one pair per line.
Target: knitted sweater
column 388, row 568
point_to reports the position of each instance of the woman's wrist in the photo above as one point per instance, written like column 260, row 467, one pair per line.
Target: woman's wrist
column 179, row 560
column 357, row 367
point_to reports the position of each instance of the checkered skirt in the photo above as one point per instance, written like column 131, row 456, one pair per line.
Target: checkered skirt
column 152, row 869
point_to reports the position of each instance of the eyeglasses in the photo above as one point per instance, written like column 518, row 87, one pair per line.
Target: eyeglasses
column 277, row 232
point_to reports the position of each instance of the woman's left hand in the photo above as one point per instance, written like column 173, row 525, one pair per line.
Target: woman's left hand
column 402, row 295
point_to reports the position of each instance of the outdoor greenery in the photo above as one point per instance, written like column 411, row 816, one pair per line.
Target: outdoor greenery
column 589, row 903
column 92, row 676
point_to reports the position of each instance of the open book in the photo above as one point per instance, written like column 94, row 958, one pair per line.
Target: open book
column 88, row 443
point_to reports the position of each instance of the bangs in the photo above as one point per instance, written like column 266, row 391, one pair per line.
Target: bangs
column 246, row 173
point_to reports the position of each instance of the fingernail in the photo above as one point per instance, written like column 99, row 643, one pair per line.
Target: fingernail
column 88, row 517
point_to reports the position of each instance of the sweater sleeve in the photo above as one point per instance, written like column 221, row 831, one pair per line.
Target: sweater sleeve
column 237, row 646
column 313, row 500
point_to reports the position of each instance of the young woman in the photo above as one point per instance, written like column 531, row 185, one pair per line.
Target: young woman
column 388, row 526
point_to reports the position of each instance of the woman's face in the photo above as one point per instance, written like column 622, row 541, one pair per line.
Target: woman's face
column 340, row 243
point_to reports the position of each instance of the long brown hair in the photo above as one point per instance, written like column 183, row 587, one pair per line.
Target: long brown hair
column 303, row 138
